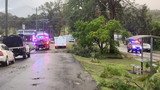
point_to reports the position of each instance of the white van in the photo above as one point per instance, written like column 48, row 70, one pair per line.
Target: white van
column 60, row 42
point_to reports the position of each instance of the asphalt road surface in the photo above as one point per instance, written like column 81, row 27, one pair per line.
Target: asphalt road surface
column 46, row 70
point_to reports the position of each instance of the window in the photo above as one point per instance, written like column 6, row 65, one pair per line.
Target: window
column 5, row 47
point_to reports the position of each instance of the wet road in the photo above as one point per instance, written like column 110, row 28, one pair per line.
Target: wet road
column 46, row 70
column 156, row 57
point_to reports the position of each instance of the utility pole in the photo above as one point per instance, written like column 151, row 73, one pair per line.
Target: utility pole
column 142, row 61
column 151, row 58
column 6, row 18
column 36, row 19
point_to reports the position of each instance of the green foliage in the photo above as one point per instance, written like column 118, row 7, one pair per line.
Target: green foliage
column 111, row 80
column 84, row 52
column 112, row 70
column 156, row 31
column 97, row 32
column 53, row 12
column 81, row 34
column 153, row 83
column 119, row 84
column 155, row 27
column 156, row 45
column 155, row 15
column 76, row 10
column 143, row 78
column 103, row 83
column 137, row 20
column 125, row 34
column 114, row 26
column 158, row 70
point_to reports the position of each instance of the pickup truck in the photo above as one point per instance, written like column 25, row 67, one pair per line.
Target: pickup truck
column 17, row 46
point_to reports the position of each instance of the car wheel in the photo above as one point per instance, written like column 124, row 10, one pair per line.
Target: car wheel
column 140, row 51
column 24, row 56
column 13, row 61
column 37, row 49
column 28, row 55
column 128, row 50
column 6, row 63
column 132, row 51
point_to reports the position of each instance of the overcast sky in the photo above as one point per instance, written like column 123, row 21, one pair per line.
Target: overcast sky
column 25, row 7
column 22, row 7
column 152, row 4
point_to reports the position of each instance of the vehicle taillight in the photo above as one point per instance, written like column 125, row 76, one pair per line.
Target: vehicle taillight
column 47, row 42
column 1, row 53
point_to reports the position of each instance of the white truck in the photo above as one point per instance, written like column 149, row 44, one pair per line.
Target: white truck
column 60, row 42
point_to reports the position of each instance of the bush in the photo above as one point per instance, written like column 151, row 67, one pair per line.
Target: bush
column 118, row 84
column 153, row 83
column 103, row 83
column 84, row 52
column 156, row 45
column 158, row 70
column 112, row 70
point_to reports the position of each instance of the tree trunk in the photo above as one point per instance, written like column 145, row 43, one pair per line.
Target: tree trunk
column 112, row 12
column 112, row 45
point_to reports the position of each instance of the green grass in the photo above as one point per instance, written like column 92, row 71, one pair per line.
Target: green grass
column 97, row 67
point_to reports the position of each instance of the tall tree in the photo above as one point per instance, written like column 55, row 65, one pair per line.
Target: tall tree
column 112, row 8
column 76, row 10
column 53, row 11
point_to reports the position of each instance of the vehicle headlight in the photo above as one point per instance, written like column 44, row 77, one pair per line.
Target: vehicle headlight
column 140, row 47
column 133, row 46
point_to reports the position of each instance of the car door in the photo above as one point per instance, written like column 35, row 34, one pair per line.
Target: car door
column 9, row 53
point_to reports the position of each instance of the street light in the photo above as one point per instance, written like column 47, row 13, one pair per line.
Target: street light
column 6, row 18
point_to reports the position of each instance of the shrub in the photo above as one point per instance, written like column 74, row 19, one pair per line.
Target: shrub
column 112, row 70
column 118, row 84
column 143, row 78
column 153, row 83
column 103, row 83
column 84, row 52
column 158, row 70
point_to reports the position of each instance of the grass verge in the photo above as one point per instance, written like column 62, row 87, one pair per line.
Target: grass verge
column 96, row 68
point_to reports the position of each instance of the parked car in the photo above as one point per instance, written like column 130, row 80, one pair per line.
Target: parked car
column 136, row 47
column 146, row 47
column 133, row 47
column 6, row 55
